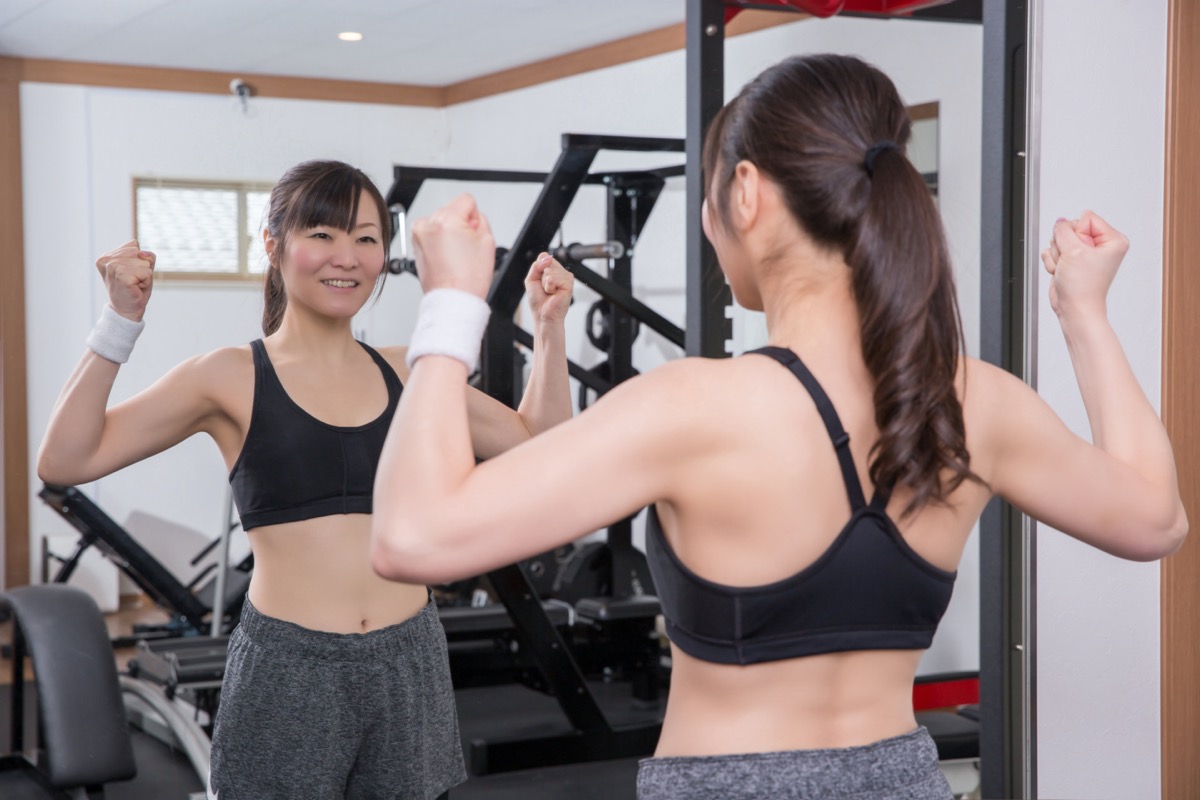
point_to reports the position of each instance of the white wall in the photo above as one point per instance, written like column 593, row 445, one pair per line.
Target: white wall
column 82, row 146
column 81, row 149
column 1102, row 145
column 928, row 61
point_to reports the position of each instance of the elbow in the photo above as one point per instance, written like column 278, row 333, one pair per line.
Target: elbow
column 49, row 471
column 388, row 552
column 1176, row 534
column 397, row 555
column 1162, row 539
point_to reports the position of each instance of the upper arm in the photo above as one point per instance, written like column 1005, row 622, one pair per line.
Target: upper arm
column 603, row 465
column 1032, row 460
column 176, row 406
column 495, row 428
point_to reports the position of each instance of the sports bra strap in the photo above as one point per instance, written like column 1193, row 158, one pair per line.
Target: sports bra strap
column 841, row 439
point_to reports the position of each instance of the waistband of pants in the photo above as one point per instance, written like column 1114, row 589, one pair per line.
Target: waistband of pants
column 283, row 636
column 896, row 761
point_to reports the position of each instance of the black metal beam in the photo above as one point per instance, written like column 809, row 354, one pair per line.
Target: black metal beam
column 639, row 144
column 625, row 300
column 1001, row 555
column 407, row 180
column 581, row 374
column 508, row 287
column 707, row 326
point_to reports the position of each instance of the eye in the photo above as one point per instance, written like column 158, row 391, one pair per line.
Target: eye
column 319, row 235
column 368, row 239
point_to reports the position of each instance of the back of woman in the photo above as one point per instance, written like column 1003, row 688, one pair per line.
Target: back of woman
column 810, row 500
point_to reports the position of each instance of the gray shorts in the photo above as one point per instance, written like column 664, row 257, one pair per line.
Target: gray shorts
column 901, row 768
column 328, row 716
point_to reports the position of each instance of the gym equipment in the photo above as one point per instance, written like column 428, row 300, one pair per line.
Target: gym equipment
column 81, row 720
column 620, row 569
column 191, row 607
column 947, row 704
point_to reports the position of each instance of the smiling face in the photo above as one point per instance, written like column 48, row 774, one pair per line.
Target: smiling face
column 330, row 270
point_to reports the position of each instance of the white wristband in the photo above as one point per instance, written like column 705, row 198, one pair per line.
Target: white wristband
column 114, row 335
column 450, row 322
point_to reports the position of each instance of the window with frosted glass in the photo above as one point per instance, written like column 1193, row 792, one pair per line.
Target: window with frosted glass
column 202, row 230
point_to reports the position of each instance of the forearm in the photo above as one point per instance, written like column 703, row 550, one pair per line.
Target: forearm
column 1123, row 422
column 77, row 423
column 547, row 398
column 427, row 455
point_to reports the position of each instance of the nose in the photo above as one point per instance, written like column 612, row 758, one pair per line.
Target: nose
column 344, row 254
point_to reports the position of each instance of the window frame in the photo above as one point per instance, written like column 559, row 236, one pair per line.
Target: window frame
column 243, row 275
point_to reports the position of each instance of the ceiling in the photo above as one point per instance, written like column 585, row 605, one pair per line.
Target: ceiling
column 422, row 42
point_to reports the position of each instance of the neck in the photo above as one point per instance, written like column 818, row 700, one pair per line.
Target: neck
column 317, row 337
column 810, row 307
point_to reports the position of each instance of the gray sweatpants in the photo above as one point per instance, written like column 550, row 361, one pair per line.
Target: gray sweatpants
column 901, row 768
column 309, row 714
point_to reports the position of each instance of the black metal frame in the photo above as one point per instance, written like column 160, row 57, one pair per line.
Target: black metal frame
column 707, row 332
column 1002, row 555
column 97, row 529
column 1001, row 330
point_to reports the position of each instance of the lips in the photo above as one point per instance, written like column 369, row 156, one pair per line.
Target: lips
column 340, row 284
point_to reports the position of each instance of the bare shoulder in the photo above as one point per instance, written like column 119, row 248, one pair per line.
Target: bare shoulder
column 218, row 374
column 222, row 363
column 694, row 394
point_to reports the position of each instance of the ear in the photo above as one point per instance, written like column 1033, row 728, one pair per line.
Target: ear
column 745, row 202
column 270, row 243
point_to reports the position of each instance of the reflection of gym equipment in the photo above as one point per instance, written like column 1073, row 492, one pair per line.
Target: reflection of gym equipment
column 83, row 737
column 608, row 583
column 83, row 741
column 190, row 605
column 947, row 704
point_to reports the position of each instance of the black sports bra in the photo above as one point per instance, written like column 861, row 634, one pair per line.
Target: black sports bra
column 293, row 466
column 868, row 591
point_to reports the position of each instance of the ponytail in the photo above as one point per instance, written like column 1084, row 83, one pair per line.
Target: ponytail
column 829, row 130
column 911, row 334
column 274, row 300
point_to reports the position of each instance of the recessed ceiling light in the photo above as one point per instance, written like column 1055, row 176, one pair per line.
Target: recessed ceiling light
column 350, row 36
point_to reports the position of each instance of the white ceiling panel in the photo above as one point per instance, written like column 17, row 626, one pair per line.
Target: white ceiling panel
column 12, row 9
column 431, row 42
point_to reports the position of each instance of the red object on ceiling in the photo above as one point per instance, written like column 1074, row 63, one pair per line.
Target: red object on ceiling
column 828, row 8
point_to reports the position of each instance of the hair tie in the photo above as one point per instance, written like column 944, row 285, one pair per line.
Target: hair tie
column 873, row 152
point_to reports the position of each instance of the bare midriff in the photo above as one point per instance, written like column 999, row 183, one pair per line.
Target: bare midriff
column 317, row 574
column 824, row 701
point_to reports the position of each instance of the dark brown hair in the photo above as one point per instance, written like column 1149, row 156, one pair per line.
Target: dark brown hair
column 808, row 124
column 310, row 194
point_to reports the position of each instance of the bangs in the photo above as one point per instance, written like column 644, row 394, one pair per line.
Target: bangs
column 332, row 199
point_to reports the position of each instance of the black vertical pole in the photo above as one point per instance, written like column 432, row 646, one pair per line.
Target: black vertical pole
column 17, row 745
column 621, row 204
column 1001, row 556
column 708, row 328
column 629, row 205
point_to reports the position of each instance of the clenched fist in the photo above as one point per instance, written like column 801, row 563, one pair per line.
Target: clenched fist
column 128, row 273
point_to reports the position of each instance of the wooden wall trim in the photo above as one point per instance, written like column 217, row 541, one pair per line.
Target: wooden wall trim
column 1181, row 401
column 191, row 80
column 923, row 111
column 13, row 418
column 609, row 54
